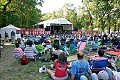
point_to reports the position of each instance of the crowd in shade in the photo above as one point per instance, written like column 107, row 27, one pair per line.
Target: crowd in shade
column 99, row 66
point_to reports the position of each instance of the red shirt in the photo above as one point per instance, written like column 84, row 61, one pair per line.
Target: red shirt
column 61, row 71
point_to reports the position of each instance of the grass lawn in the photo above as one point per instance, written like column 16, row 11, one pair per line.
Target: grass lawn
column 11, row 69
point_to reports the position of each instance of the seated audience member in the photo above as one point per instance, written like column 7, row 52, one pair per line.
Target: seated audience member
column 101, row 57
column 40, row 47
column 30, row 47
column 80, row 67
column 21, row 44
column 56, row 53
column 56, row 43
column 103, row 75
column 61, row 68
column 19, row 49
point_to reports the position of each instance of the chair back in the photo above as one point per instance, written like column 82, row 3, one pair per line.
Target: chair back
column 17, row 54
column 72, row 48
column 75, row 43
column 100, row 63
column 82, row 46
column 29, row 54
column 95, row 46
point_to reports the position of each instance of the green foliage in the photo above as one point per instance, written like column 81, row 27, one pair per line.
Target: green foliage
column 105, row 13
column 102, row 14
column 21, row 13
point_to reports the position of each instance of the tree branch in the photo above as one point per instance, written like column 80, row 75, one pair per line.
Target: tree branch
column 5, row 6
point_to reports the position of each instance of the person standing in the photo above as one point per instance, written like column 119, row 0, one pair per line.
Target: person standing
column 6, row 36
column 12, row 36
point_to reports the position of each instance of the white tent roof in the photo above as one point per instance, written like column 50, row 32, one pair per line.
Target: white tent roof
column 95, row 29
column 67, row 25
column 11, row 27
column 55, row 21
column 8, row 29
column 61, row 21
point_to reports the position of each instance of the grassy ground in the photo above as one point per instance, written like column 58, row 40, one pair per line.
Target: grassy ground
column 11, row 69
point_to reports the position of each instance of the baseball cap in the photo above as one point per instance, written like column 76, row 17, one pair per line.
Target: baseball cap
column 103, row 75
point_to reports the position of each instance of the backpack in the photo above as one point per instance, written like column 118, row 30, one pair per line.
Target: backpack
column 24, row 60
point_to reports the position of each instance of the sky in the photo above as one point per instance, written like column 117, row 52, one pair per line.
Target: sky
column 51, row 5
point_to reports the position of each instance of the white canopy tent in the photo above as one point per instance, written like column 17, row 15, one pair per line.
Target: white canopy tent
column 95, row 29
column 8, row 29
column 61, row 21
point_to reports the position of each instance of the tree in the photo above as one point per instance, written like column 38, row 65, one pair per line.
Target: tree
column 22, row 13
column 104, row 12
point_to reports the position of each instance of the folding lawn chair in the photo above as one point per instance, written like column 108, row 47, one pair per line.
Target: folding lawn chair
column 82, row 46
column 72, row 48
column 30, row 54
column 99, row 65
column 63, row 41
column 56, row 43
column 89, row 42
column 75, row 43
column 17, row 54
column 40, row 48
column 95, row 46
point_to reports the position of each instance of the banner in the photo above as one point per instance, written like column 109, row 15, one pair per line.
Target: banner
column 84, row 32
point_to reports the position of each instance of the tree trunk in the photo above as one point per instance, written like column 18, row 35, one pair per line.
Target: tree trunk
column 103, row 22
column 109, row 23
column 115, row 27
column 118, row 29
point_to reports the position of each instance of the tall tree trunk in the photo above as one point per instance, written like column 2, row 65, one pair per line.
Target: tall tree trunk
column 103, row 23
column 109, row 23
column 118, row 27
column 115, row 27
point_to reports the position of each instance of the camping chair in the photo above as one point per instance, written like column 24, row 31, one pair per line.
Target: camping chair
column 99, row 42
column 115, row 63
column 56, row 43
column 30, row 54
column 99, row 65
column 40, row 48
column 95, row 46
column 17, row 54
column 89, row 42
column 72, row 48
column 96, row 41
column 62, row 47
column 84, row 39
column 75, row 43
column 63, row 41
column 36, row 40
column 82, row 46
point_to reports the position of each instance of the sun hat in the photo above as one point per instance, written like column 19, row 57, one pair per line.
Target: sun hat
column 103, row 75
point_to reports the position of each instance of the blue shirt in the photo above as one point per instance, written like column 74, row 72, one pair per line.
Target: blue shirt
column 80, row 68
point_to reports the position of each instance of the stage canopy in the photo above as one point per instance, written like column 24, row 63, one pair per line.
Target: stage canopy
column 61, row 21
column 8, row 29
